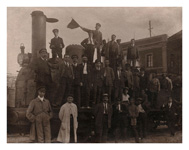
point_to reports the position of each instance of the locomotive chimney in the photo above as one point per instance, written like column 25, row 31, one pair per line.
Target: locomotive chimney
column 38, row 33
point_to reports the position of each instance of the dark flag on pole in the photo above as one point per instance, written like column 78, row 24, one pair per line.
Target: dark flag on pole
column 73, row 24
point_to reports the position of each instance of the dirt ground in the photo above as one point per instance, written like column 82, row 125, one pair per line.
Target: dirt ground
column 160, row 135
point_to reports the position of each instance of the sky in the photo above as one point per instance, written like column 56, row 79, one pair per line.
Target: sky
column 125, row 22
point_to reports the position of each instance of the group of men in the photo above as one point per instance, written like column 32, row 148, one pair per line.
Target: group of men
column 116, row 91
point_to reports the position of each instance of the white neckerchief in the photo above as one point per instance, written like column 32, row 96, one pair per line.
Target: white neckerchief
column 85, row 68
column 41, row 98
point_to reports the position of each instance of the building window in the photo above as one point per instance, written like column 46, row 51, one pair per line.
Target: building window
column 149, row 60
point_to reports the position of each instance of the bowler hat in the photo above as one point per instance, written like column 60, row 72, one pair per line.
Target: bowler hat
column 105, row 95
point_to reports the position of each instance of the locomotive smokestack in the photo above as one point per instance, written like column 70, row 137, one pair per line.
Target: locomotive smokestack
column 38, row 33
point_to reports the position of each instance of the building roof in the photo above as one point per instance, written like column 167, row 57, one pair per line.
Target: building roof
column 176, row 36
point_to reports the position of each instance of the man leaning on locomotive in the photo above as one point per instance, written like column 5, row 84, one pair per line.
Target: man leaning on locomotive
column 112, row 89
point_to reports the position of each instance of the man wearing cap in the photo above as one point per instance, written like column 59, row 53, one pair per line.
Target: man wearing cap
column 119, row 82
column 66, row 79
column 39, row 113
column 171, row 110
column 77, row 79
column 103, row 114
column 86, row 81
column 68, row 116
column 97, row 37
column 109, row 78
column 142, row 117
column 132, row 53
column 120, row 119
column 42, row 71
column 129, row 79
column 56, row 44
column 97, row 79
column 112, row 51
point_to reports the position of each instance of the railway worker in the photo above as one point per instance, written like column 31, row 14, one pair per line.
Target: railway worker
column 142, row 118
column 112, row 52
column 133, row 114
column 76, row 82
column 136, row 84
column 103, row 52
column 56, row 44
column 171, row 112
column 120, row 119
column 86, row 82
column 132, row 53
column 109, row 78
column 54, row 65
column 88, row 44
column 143, row 80
column 97, row 37
column 129, row 79
column 154, row 90
column 119, row 82
column 97, row 77
column 43, row 73
column 103, row 115
column 66, row 79
column 39, row 112
column 68, row 116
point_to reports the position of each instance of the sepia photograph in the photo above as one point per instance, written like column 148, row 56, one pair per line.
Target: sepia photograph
column 94, row 75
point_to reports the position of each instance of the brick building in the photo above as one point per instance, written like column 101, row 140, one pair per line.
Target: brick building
column 159, row 53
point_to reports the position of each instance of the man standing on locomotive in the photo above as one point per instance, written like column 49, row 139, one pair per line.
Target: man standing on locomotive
column 97, row 37
column 57, row 44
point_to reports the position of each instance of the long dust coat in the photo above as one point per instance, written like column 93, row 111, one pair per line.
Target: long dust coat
column 64, row 116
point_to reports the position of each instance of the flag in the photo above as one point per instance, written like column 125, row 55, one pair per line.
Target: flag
column 73, row 24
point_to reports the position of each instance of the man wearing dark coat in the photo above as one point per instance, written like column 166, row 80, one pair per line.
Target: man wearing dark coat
column 112, row 52
column 143, row 80
column 97, row 37
column 119, row 82
column 120, row 119
column 66, row 79
column 109, row 78
column 103, row 114
column 57, row 44
column 39, row 113
column 42, row 71
column 76, row 82
column 88, row 44
column 86, row 81
column 171, row 111
column 132, row 53
column 97, row 78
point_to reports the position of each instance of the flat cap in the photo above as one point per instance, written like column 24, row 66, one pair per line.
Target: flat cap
column 55, row 30
column 74, row 56
column 41, row 88
column 43, row 50
column 98, row 24
column 84, row 55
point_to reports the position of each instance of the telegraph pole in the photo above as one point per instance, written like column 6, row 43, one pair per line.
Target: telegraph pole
column 150, row 28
